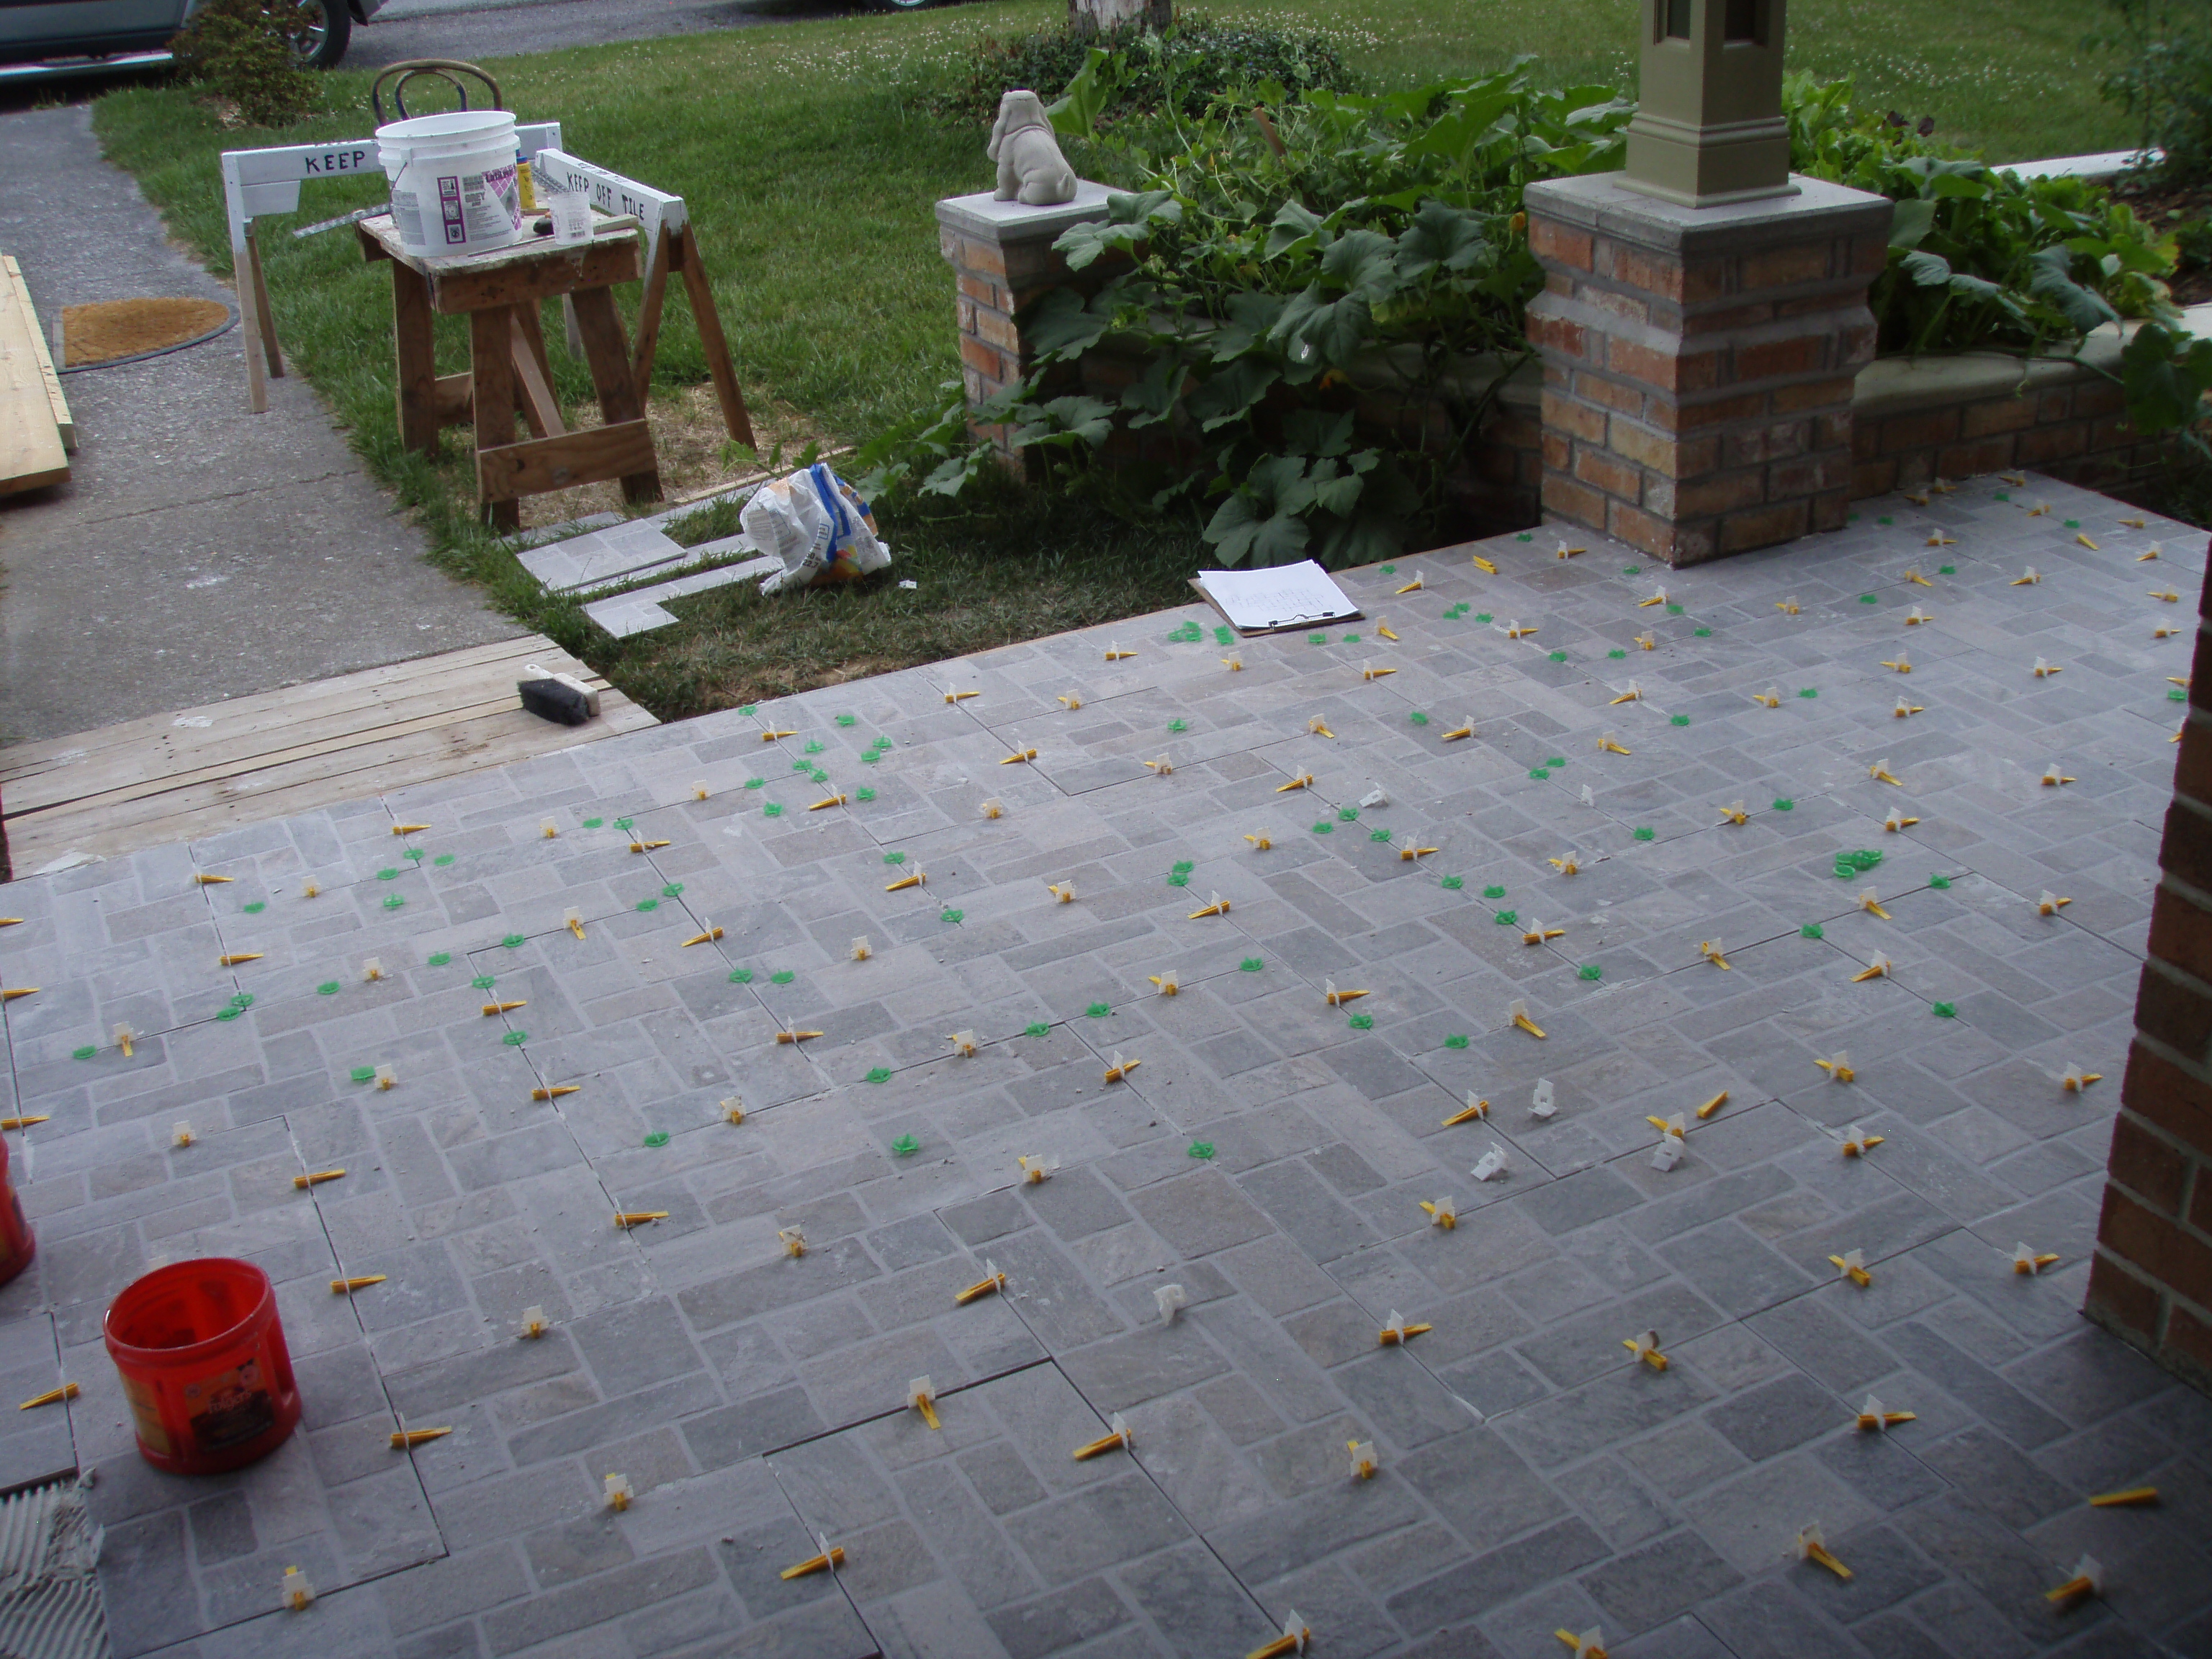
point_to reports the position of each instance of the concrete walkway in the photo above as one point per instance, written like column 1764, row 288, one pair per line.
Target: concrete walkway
column 199, row 552
column 1269, row 1153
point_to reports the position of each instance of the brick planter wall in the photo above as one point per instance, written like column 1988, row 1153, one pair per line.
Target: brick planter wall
column 2151, row 1282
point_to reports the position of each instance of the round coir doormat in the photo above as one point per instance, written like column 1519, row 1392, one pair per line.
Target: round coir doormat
column 117, row 330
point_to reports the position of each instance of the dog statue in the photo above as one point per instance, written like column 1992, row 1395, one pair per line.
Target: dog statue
column 1031, row 169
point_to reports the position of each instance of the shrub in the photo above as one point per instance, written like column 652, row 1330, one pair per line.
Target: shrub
column 2166, row 79
column 243, row 51
column 1193, row 64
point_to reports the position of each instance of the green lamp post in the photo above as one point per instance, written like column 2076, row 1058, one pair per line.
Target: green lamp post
column 1708, row 130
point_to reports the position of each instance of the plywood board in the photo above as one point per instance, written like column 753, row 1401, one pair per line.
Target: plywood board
column 196, row 772
column 64, row 423
column 30, row 454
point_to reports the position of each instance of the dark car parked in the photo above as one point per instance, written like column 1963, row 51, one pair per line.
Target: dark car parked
column 92, row 34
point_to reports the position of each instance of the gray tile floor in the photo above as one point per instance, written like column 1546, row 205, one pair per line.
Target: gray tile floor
column 1270, row 1153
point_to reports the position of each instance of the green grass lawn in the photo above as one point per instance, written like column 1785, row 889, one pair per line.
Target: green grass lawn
column 811, row 166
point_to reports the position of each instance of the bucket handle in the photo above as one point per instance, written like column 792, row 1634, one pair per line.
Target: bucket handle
column 447, row 69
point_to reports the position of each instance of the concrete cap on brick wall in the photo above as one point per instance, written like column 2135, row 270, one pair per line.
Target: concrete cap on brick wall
column 987, row 219
column 1597, row 203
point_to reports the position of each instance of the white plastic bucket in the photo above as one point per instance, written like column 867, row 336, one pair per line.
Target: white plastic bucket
column 453, row 187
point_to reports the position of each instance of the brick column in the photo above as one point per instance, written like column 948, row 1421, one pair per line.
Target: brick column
column 2151, row 1282
column 1698, row 361
column 1003, row 263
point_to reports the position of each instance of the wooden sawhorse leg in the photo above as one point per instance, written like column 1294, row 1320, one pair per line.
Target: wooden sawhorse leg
column 603, row 350
column 417, row 362
column 491, row 332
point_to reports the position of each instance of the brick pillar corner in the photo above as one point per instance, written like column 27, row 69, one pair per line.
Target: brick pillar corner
column 1698, row 361
column 1003, row 263
column 2150, row 1282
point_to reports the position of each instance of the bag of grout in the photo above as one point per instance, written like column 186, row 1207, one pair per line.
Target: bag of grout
column 819, row 527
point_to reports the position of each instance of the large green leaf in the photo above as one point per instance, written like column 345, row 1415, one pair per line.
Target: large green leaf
column 1062, row 325
column 1229, row 391
column 1927, row 269
column 1240, row 530
column 1914, row 218
column 1362, row 262
column 2054, row 280
column 2166, row 375
column 1441, row 237
column 1075, row 115
column 1317, row 333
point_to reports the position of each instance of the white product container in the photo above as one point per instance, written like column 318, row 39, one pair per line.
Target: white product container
column 454, row 185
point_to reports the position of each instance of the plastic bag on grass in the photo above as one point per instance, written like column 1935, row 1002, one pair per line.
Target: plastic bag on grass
column 817, row 524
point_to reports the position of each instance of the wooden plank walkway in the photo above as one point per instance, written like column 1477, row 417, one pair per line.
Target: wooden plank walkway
column 193, row 772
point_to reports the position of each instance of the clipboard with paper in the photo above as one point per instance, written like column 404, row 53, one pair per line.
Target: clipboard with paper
column 1277, row 600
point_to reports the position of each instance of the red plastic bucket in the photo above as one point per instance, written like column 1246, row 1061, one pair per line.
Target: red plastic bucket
column 17, row 1243
column 204, row 1365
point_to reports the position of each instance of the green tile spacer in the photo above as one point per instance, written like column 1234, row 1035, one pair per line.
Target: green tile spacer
column 2175, row 694
column 1631, row 569
column 1351, row 639
column 1417, row 717
column 1183, row 866
column 1178, row 878
column 1037, row 1028
column 1868, row 599
column 951, row 916
column 387, row 875
column 848, row 720
column 1201, row 1149
column 364, row 1074
column 894, row 858
column 624, row 824
column 1507, row 918
column 813, row 746
column 329, row 987
column 1456, row 1041
column 256, row 908
column 2002, row 496
column 1590, row 971
column 649, row 904
column 516, row 1039
column 802, row 765
column 657, row 1138
column 1324, row 828
column 870, row 756
column 1225, row 637
column 1643, row 832
column 1703, row 633
column 229, row 1013
column 1941, row 884
column 741, row 975
column 1482, row 615
column 1947, row 569
column 88, row 1051
column 440, row 959
column 1389, row 570
column 1885, row 519
column 818, row 776
column 242, row 1001
column 414, row 855
column 781, row 976
column 1559, row 656
column 1616, row 655
column 1347, row 814
column 1098, row 1011
column 1524, row 536
column 1673, row 610
column 1811, row 929
column 1679, row 719
column 1178, row 725
column 442, row 859
column 878, row 1074
column 1452, row 883
column 1361, row 1021
column 755, row 783
column 395, row 902
column 480, row 983
column 749, row 709
column 1944, row 1010
column 1784, row 803
column 1250, row 965
column 514, row 941
column 593, row 823
column 1378, row 835
column 673, row 889
column 772, row 811
column 863, row 794
column 905, row 1146
column 1316, row 639
column 1807, row 692
column 1556, row 762
column 1493, row 892
column 2073, row 524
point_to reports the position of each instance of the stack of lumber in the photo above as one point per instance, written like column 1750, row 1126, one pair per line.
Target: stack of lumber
column 36, row 432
